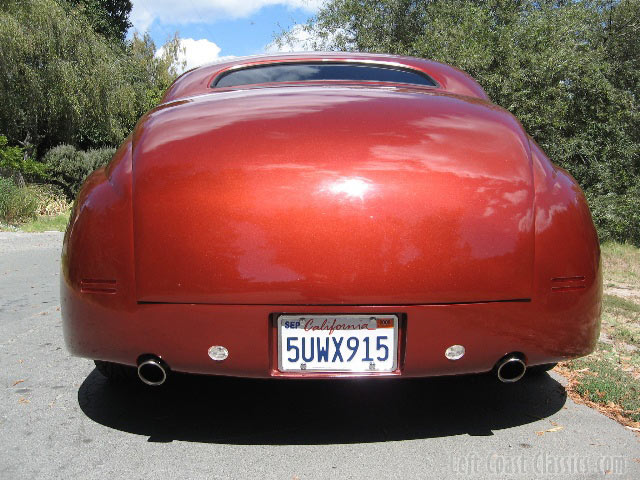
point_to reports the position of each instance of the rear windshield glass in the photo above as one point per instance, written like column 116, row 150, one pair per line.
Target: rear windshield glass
column 301, row 72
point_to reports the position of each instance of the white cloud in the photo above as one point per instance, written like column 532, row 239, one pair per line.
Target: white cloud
column 145, row 12
column 298, row 39
column 302, row 38
column 197, row 52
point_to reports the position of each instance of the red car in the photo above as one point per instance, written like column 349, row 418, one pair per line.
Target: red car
column 329, row 215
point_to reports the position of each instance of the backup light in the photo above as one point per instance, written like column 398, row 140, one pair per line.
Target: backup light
column 454, row 352
column 218, row 353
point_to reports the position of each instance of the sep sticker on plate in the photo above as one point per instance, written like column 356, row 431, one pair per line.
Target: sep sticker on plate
column 337, row 343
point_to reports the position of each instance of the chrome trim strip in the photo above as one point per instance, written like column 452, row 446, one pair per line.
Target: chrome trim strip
column 383, row 63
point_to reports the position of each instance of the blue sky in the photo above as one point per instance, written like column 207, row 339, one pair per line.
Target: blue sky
column 212, row 29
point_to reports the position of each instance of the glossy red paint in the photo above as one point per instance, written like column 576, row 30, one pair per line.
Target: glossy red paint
column 229, row 206
column 282, row 209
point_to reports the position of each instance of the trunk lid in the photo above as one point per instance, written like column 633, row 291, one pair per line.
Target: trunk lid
column 332, row 195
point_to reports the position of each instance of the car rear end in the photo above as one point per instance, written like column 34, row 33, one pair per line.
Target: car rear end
column 330, row 232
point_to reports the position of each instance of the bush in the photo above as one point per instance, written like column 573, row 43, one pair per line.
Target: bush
column 99, row 157
column 17, row 204
column 69, row 167
column 51, row 200
column 12, row 160
column 617, row 216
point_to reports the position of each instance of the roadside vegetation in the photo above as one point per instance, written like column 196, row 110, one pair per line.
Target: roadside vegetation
column 72, row 87
column 32, row 208
column 47, row 223
column 609, row 379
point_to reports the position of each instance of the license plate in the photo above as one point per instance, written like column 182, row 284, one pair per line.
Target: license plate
column 337, row 343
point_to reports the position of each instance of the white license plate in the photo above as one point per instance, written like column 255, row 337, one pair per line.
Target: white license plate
column 337, row 343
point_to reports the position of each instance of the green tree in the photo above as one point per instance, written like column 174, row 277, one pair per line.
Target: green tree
column 569, row 70
column 151, row 74
column 15, row 162
column 107, row 17
column 63, row 83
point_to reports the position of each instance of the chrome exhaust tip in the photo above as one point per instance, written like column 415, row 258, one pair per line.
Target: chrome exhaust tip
column 511, row 368
column 152, row 371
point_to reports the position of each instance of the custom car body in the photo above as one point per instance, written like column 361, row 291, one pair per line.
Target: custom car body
column 277, row 215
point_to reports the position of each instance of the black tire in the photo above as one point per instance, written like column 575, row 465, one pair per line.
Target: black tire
column 540, row 369
column 117, row 373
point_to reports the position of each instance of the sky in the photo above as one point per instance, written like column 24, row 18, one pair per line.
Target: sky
column 214, row 29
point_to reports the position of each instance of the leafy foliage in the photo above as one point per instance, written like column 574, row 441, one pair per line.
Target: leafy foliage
column 51, row 200
column 152, row 73
column 13, row 159
column 568, row 70
column 17, row 204
column 69, row 167
column 22, row 204
column 107, row 17
column 63, row 83
column 617, row 215
column 69, row 80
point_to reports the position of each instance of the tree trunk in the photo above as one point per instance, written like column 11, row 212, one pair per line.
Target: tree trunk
column 18, row 179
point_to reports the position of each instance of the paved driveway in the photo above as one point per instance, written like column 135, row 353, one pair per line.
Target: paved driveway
column 60, row 419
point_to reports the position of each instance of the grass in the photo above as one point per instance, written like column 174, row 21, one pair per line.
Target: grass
column 46, row 223
column 32, row 208
column 620, row 305
column 621, row 320
column 621, row 263
column 609, row 378
column 602, row 379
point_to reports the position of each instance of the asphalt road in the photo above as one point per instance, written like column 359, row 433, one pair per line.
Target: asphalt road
column 60, row 419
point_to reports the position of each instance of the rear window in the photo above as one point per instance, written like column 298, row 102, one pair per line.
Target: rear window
column 306, row 72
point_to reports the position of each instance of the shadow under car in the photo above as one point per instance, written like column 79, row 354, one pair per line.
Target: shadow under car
column 294, row 412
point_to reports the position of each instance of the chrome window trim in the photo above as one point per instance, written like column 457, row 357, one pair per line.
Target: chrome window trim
column 367, row 62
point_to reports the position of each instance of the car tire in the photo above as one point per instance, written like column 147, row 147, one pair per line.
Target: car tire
column 540, row 369
column 117, row 373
